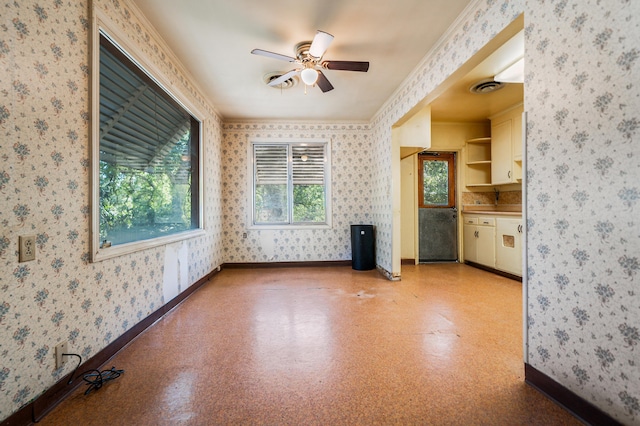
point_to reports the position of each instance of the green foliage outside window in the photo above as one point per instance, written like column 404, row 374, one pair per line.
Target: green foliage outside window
column 141, row 204
column 436, row 182
column 308, row 203
column 271, row 203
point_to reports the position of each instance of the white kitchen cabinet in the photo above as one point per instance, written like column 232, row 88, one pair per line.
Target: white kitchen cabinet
column 506, row 146
column 509, row 245
column 479, row 239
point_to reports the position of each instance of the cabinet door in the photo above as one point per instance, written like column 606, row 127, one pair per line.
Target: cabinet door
column 486, row 246
column 509, row 245
column 516, row 135
column 469, row 241
column 516, row 145
column 501, row 158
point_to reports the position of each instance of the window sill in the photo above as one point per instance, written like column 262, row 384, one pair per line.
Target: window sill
column 122, row 249
column 290, row 227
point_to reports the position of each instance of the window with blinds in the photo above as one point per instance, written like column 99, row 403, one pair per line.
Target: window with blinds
column 290, row 183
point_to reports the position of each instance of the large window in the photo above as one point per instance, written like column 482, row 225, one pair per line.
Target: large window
column 148, row 158
column 290, row 183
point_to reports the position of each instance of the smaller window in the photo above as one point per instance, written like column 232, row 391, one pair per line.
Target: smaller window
column 290, row 183
column 436, row 183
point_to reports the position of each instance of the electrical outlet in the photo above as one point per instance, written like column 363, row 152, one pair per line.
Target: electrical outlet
column 27, row 248
column 61, row 348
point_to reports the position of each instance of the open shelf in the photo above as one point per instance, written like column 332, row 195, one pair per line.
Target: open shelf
column 478, row 162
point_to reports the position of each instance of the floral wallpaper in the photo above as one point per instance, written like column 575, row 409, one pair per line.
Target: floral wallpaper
column 583, row 244
column 44, row 187
column 351, row 195
column 582, row 190
column 583, row 105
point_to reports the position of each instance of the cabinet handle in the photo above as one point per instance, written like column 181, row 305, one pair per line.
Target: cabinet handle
column 509, row 174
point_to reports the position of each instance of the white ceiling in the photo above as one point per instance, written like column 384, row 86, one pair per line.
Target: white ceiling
column 213, row 40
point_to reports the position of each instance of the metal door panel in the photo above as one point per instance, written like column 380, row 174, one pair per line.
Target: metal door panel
column 438, row 235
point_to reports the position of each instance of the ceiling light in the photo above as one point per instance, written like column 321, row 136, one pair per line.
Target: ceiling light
column 309, row 76
column 514, row 73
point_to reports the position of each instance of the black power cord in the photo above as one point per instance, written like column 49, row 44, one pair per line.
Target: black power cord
column 94, row 378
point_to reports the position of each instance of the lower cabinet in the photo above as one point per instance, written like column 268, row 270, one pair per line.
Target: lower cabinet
column 509, row 245
column 479, row 238
column 494, row 241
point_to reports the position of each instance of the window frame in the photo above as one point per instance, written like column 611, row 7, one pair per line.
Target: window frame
column 251, row 224
column 102, row 25
column 437, row 156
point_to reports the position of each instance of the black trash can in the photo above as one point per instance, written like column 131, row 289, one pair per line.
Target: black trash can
column 363, row 254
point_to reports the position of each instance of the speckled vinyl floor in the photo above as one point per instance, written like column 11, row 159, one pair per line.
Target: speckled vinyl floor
column 328, row 346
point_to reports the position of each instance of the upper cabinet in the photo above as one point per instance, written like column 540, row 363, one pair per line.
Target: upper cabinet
column 506, row 146
column 414, row 134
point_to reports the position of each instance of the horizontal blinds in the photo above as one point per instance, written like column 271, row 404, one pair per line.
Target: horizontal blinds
column 270, row 164
column 308, row 164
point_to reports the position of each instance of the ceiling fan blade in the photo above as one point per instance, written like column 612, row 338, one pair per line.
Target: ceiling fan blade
column 283, row 78
column 323, row 83
column 346, row 65
column 273, row 55
column 320, row 44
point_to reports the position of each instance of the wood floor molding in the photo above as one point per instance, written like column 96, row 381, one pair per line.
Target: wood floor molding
column 579, row 407
column 249, row 265
column 40, row 406
column 495, row 271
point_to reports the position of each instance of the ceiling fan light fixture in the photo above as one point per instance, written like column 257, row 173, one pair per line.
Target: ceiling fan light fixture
column 309, row 76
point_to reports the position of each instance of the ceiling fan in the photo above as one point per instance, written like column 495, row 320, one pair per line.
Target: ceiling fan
column 309, row 57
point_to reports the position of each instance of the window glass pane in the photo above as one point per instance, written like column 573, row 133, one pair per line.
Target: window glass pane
column 271, row 203
column 271, row 189
column 309, row 203
column 435, row 177
column 308, row 183
column 149, row 155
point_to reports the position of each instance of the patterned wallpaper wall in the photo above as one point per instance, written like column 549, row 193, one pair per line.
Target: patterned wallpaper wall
column 351, row 194
column 583, row 101
column 582, row 98
column 44, row 188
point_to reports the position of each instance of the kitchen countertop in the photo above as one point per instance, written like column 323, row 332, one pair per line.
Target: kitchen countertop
column 490, row 209
column 494, row 212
